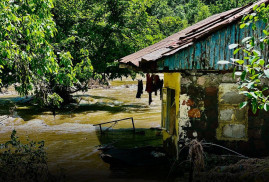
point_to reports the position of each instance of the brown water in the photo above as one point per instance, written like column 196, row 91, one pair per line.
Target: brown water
column 71, row 139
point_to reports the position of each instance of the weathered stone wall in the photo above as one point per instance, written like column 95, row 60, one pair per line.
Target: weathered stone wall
column 233, row 121
column 211, row 102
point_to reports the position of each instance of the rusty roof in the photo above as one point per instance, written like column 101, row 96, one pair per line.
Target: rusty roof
column 188, row 36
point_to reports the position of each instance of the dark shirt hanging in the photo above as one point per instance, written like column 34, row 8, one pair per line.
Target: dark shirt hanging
column 149, row 87
column 139, row 89
column 156, row 83
column 149, row 84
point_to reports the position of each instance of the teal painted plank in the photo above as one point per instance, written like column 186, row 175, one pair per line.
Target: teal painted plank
column 177, row 61
column 232, row 41
column 237, row 38
column 222, row 46
column 203, row 56
column 171, row 63
column 183, row 59
column 197, row 55
column 241, row 36
column 226, row 48
column 207, row 53
column 217, row 50
column 212, row 50
column 186, row 58
column 166, row 62
column 191, row 55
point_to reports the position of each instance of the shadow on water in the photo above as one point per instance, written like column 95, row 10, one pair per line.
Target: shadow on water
column 104, row 107
column 28, row 111
column 132, row 153
column 7, row 102
column 95, row 97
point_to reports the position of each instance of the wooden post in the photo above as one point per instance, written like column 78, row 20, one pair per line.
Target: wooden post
column 100, row 128
column 133, row 123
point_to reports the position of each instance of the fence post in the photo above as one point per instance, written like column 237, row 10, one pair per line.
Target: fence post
column 100, row 128
column 133, row 123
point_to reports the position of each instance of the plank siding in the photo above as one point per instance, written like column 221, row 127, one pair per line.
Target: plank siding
column 205, row 54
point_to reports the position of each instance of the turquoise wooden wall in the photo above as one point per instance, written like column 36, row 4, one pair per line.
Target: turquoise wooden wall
column 204, row 54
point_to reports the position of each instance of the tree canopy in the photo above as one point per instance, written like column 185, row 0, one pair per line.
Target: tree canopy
column 51, row 48
column 28, row 58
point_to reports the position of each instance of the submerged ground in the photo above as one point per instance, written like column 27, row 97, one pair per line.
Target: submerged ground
column 71, row 139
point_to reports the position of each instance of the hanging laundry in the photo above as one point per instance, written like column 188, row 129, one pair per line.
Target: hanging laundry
column 150, row 97
column 156, row 83
column 139, row 89
column 149, row 86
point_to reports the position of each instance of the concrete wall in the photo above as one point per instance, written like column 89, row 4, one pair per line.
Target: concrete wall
column 209, row 110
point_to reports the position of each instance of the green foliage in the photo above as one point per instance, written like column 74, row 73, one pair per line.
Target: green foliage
column 107, row 30
column 55, row 49
column 203, row 13
column 25, row 54
column 54, row 100
column 28, row 57
column 225, row 5
column 23, row 162
column 188, row 11
column 255, row 69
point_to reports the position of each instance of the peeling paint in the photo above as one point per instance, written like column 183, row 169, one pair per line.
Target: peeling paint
column 184, row 119
column 212, row 102
column 172, row 81
column 205, row 53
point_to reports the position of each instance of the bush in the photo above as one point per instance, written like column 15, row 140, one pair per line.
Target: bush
column 23, row 162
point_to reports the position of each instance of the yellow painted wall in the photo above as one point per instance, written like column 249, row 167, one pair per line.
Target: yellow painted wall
column 172, row 81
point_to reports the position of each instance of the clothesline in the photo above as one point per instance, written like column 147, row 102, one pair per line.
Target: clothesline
column 153, row 84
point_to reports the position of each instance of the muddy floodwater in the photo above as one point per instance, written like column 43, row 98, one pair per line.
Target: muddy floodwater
column 70, row 138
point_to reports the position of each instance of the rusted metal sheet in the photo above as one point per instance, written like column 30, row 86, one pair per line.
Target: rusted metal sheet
column 155, row 55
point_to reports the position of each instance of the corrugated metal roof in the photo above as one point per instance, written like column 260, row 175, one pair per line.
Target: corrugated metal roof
column 188, row 36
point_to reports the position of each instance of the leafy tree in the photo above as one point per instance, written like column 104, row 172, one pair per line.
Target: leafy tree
column 255, row 66
column 52, row 57
column 107, row 30
column 188, row 11
column 203, row 13
column 225, row 5
column 29, row 60
column 25, row 54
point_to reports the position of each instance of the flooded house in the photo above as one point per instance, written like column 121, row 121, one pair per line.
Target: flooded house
column 200, row 98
